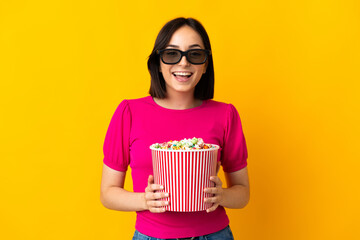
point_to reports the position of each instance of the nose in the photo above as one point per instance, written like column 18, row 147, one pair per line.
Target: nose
column 184, row 61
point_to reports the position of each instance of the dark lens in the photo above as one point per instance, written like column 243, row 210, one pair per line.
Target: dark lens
column 171, row 56
column 197, row 56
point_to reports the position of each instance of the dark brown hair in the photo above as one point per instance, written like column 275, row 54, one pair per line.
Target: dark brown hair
column 205, row 88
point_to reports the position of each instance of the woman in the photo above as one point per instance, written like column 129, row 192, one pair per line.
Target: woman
column 180, row 106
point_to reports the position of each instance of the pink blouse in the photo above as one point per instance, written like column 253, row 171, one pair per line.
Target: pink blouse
column 138, row 123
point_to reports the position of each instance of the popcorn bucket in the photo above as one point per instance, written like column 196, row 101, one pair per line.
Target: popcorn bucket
column 184, row 175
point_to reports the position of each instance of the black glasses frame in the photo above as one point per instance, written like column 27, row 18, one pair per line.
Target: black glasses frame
column 186, row 54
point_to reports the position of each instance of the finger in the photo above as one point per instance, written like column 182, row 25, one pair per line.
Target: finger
column 154, row 196
column 212, row 208
column 216, row 180
column 154, row 187
column 157, row 204
column 212, row 190
column 160, row 195
column 157, row 210
column 212, row 200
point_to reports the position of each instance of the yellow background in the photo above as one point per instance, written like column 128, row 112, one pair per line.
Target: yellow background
column 290, row 67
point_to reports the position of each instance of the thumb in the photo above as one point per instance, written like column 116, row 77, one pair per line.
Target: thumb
column 218, row 167
column 151, row 179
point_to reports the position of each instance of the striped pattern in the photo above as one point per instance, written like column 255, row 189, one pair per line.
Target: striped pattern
column 184, row 175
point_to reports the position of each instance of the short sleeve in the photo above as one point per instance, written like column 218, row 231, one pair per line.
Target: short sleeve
column 117, row 144
column 234, row 152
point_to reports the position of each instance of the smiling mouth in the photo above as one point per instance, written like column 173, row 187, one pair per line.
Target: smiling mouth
column 182, row 74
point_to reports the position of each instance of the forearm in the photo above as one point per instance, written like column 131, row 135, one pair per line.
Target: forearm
column 236, row 196
column 116, row 198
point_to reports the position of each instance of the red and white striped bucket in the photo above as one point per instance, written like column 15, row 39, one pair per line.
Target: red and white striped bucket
column 184, row 175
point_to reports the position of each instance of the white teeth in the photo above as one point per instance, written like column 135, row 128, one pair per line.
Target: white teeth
column 182, row 73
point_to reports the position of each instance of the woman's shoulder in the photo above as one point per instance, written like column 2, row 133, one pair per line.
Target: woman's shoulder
column 136, row 101
column 218, row 104
column 135, row 105
column 222, row 107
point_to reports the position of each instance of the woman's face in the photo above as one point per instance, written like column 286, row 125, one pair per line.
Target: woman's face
column 184, row 38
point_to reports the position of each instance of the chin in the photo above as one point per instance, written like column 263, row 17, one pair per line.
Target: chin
column 183, row 90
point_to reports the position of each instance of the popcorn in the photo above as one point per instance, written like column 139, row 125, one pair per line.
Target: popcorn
column 185, row 144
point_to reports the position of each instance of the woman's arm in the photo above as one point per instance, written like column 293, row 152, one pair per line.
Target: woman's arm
column 237, row 193
column 115, row 197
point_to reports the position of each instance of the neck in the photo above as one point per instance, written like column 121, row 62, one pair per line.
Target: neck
column 179, row 101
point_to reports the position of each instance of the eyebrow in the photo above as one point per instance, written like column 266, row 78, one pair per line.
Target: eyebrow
column 191, row 46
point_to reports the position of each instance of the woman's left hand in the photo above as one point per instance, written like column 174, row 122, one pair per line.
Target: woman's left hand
column 218, row 192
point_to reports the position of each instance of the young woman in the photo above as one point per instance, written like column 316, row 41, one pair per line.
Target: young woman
column 179, row 106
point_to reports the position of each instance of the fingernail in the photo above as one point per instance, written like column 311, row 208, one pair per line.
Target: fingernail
column 166, row 194
column 161, row 187
column 166, row 202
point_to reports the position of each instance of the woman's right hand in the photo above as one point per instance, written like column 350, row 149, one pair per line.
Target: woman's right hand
column 152, row 198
